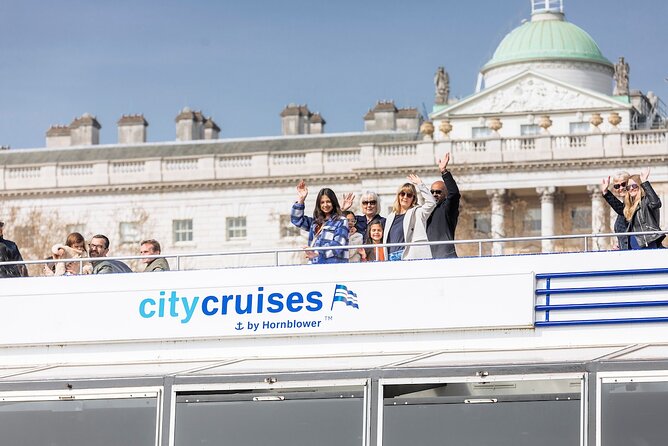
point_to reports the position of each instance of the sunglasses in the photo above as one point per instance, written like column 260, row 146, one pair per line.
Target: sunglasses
column 620, row 185
column 370, row 202
column 406, row 194
column 436, row 191
column 632, row 187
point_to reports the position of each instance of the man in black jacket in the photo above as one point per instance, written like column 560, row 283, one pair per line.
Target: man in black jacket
column 12, row 254
column 442, row 222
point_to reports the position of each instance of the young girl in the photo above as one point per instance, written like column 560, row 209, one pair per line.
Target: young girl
column 327, row 227
column 374, row 235
column 74, row 248
column 354, row 238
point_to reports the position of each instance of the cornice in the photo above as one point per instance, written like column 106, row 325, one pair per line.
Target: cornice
column 338, row 178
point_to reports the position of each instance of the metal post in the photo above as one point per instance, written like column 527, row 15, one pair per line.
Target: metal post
column 479, row 249
column 178, row 263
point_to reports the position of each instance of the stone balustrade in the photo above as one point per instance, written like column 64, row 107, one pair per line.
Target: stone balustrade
column 263, row 164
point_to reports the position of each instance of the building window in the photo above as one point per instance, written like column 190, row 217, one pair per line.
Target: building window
column 532, row 221
column 236, row 228
column 129, row 232
column 182, row 230
column 529, row 130
column 581, row 218
column 578, row 128
column 287, row 228
column 482, row 224
column 481, row 132
column 77, row 227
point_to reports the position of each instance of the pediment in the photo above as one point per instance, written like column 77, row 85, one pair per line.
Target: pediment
column 530, row 92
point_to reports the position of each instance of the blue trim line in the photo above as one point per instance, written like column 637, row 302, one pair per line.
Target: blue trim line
column 646, row 303
column 602, row 289
column 601, row 321
column 620, row 272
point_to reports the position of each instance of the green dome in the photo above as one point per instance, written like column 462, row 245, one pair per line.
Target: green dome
column 546, row 36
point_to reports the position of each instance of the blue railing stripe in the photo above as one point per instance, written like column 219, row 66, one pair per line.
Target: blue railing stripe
column 584, row 306
column 619, row 272
column 635, row 320
column 602, row 289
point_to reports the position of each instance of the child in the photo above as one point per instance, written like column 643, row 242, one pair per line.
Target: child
column 354, row 238
column 374, row 235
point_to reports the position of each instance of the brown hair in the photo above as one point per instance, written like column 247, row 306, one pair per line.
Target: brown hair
column 154, row 244
column 74, row 238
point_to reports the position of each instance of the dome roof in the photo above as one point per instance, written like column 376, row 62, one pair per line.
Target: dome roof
column 546, row 36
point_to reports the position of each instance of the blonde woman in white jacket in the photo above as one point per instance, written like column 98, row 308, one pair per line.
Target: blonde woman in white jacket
column 406, row 223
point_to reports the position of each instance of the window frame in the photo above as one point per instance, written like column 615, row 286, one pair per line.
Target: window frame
column 178, row 232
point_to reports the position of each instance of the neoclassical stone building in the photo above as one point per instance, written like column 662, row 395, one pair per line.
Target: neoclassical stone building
column 529, row 150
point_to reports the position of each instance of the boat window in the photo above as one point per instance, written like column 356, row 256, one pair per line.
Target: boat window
column 634, row 413
column 79, row 422
column 284, row 417
column 496, row 413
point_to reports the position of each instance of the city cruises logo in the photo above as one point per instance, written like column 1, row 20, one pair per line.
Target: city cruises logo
column 303, row 309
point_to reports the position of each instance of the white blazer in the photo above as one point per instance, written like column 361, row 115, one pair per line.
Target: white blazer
column 415, row 223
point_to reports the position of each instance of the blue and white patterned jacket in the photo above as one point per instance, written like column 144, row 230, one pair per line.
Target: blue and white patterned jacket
column 334, row 233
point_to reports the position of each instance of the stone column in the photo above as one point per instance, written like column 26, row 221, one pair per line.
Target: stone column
column 597, row 216
column 497, row 200
column 547, row 215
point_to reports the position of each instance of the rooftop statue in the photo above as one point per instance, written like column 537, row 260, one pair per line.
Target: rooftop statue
column 442, row 83
column 621, row 78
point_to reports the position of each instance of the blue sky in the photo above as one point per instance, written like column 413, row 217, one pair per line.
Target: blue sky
column 241, row 62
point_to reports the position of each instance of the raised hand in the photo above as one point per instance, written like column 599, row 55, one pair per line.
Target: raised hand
column 443, row 163
column 644, row 174
column 302, row 192
column 414, row 179
column 348, row 200
column 605, row 185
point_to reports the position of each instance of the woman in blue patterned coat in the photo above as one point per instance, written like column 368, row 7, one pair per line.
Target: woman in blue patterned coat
column 328, row 227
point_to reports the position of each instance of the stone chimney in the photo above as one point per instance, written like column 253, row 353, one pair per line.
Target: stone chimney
column 211, row 129
column 58, row 136
column 408, row 119
column 85, row 130
column 132, row 129
column 382, row 117
column 386, row 116
column 193, row 125
column 316, row 124
column 298, row 120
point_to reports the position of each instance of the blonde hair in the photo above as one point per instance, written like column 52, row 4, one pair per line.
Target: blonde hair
column 622, row 176
column 631, row 204
column 406, row 187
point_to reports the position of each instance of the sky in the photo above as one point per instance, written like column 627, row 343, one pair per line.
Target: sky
column 242, row 61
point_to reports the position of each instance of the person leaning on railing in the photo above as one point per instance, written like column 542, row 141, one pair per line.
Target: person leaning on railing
column 616, row 202
column 328, row 227
column 641, row 209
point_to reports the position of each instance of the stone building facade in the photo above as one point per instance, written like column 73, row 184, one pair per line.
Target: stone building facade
column 528, row 152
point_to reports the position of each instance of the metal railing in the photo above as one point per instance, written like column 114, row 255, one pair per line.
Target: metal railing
column 590, row 307
column 277, row 252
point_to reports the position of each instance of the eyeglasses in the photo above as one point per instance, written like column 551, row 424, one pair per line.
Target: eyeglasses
column 436, row 191
column 369, row 203
column 93, row 246
column 632, row 187
column 406, row 194
column 620, row 185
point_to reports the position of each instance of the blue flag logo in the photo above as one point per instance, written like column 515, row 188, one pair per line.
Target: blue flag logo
column 343, row 294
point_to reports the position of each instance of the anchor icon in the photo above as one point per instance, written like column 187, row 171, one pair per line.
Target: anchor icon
column 239, row 326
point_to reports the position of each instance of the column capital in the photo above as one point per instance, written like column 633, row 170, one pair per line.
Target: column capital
column 594, row 190
column 496, row 193
column 547, row 190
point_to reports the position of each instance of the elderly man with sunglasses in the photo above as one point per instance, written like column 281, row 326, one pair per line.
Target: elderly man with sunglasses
column 442, row 222
column 617, row 204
